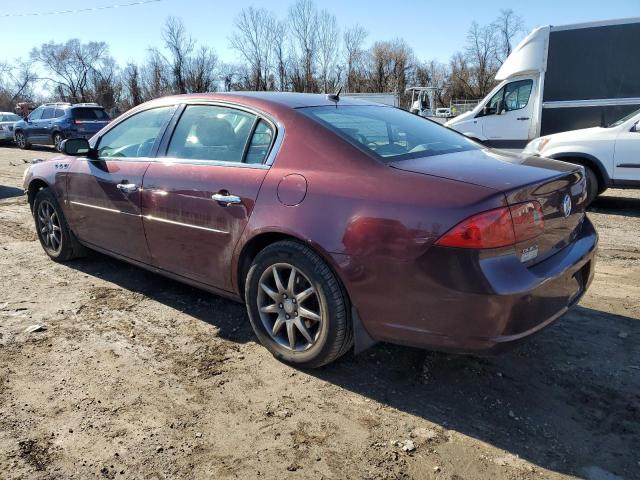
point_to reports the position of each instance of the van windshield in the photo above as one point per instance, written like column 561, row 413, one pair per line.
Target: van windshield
column 388, row 133
column 624, row 119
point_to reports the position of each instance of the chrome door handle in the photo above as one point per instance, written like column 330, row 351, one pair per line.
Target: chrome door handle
column 127, row 187
column 226, row 198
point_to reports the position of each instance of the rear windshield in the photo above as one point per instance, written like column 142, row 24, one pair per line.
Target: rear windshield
column 90, row 114
column 388, row 133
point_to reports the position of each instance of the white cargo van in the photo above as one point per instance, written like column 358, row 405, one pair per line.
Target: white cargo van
column 560, row 78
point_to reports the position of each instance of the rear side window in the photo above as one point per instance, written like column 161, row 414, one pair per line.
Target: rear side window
column 90, row 114
column 59, row 113
column 260, row 143
column 389, row 134
column 207, row 132
column 135, row 136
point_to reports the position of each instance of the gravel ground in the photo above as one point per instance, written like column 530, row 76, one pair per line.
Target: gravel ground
column 138, row 376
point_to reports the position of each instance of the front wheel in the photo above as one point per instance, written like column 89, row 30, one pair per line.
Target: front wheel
column 297, row 307
column 57, row 240
column 21, row 141
column 593, row 187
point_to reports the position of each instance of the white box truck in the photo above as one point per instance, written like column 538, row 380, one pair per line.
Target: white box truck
column 391, row 99
column 560, row 78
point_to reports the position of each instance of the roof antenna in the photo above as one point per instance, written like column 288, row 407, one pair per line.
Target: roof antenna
column 335, row 97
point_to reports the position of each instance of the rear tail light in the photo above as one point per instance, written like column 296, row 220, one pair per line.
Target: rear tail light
column 501, row 227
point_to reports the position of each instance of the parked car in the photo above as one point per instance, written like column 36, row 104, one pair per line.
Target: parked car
column 336, row 221
column 7, row 121
column 610, row 155
column 52, row 123
column 559, row 78
column 443, row 112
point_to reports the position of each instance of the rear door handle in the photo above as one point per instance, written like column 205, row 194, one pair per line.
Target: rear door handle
column 127, row 187
column 226, row 198
column 523, row 118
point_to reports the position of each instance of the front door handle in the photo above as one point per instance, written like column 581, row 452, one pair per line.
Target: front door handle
column 127, row 187
column 523, row 118
column 226, row 198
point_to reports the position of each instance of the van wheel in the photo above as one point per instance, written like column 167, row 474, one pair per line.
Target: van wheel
column 593, row 186
column 297, row 307
column 21, row 141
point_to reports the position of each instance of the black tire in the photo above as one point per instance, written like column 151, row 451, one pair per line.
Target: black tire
column 57, row 141
column 334, row 335
column 67, row 246
column 593, row 186
column 21, row 141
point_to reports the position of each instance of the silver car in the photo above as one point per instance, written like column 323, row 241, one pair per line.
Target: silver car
column 7, row 121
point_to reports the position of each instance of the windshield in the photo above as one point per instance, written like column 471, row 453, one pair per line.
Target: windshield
column 624, row 119
column 388, row 133
column 90, row 114
column 10, row 117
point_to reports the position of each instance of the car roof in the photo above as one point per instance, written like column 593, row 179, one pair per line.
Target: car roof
column 281, row 99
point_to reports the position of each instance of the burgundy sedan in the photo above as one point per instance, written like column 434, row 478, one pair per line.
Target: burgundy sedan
column 337, row 222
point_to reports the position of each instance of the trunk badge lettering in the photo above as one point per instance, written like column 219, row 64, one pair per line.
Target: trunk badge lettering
column 566, row 206
column 529, row 253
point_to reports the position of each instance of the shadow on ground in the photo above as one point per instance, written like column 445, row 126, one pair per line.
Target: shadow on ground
column 623, row 206
column 10, row 192
column 566, row 400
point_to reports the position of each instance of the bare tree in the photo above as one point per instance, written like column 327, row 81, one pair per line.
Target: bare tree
column 328, row 45
column 71, row 66
column 508, row 25
column 355, row 54
column 201, row 71
column 180, row 45
column 390, row 63
column 132, row 85
column 303, row 23
column 17, row 82
column 481, row 54
column 279, row 53
column 254, row 40
column 156, row 77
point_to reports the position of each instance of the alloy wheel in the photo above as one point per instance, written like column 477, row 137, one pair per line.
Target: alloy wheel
column 289, row 307
column 21, row 140
column 57, row 141
column 49, row 226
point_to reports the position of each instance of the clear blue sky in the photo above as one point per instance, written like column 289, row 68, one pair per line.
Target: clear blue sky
column 435, row 29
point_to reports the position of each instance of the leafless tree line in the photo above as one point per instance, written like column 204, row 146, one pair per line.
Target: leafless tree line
column 306, row 51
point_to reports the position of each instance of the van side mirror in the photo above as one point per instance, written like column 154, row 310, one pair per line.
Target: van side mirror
column 500, row 107
column 76, row 147
column 636, row 128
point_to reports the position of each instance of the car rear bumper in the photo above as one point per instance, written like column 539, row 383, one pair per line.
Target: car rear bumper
column 452, row 301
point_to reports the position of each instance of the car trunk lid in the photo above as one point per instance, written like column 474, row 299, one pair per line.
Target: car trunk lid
column 559, row 188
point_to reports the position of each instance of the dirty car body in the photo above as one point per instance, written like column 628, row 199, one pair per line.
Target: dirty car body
column 442, row 244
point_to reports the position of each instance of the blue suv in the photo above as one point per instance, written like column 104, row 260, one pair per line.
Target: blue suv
column 52, row 123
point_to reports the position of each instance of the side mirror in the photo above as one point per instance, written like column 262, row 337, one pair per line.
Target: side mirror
column 76, row 147
column 500, row 108
column 636, row 128
column 485, row 110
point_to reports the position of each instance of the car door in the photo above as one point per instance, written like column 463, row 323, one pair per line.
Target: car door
column 45, row 125
column 33, row 124
column 627, row 154
column 198, row 199
column 507, row 118
column 104, row 194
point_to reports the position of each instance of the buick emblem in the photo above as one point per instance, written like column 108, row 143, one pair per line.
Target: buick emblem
column 566, row 206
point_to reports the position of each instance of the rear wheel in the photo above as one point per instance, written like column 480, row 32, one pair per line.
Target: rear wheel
column 56, row 238
column 57, row 141
column 21, row 141
column 297, row 306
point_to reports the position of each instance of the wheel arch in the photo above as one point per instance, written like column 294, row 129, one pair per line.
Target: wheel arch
column 587, row 160
column 262, row 240
column 34, row 187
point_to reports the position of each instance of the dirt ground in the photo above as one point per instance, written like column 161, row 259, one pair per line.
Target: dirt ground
column 138, row 376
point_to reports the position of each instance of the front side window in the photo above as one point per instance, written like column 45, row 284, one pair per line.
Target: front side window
column 492, row 107
column 207, row 132
column 135, row 136
column 389, row 134
column 516, row 94
column 36, row 114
